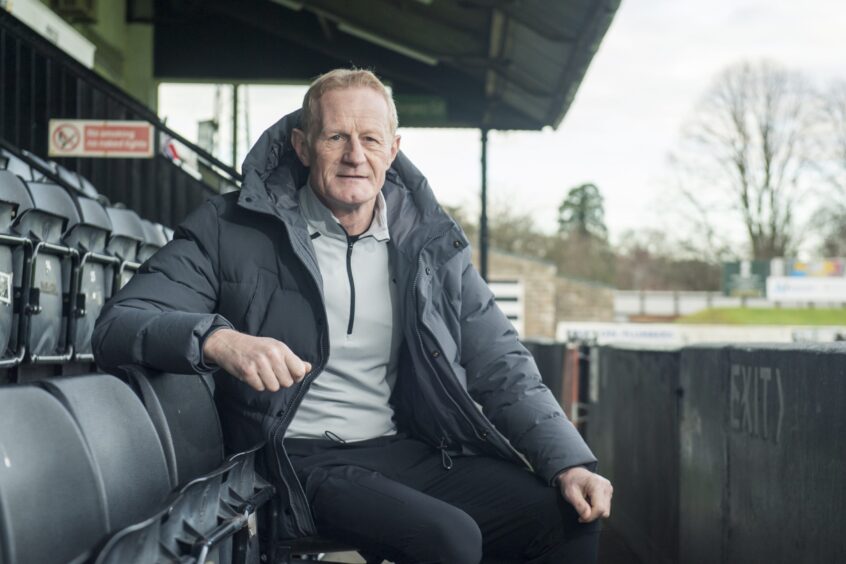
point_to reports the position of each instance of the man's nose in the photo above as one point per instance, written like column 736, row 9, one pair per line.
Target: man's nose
column 354, row 153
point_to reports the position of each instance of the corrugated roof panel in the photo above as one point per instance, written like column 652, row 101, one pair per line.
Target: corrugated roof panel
column 437, row 54
column 528, row 104
column 534, row 55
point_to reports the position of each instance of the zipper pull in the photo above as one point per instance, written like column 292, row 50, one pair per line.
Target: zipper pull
column 334, row 438
column 446, row 459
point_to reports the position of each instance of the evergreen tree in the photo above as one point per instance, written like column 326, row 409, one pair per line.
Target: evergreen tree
column 583, row 213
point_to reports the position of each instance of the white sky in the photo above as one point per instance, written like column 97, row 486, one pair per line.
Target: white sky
column 656, row 60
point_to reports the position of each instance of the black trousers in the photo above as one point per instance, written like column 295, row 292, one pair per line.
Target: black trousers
column 399, row 499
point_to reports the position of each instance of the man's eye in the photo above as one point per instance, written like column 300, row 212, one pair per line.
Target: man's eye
column 336, row 137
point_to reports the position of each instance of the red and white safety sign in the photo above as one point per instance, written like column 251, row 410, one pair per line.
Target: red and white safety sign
column 95, row 138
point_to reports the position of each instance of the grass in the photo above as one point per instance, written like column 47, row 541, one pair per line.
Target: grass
column 755, row 316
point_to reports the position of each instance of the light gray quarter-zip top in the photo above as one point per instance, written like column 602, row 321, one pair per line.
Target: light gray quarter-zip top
column 349, row 400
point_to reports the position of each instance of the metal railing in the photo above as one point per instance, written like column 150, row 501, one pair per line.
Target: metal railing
column 39, row 82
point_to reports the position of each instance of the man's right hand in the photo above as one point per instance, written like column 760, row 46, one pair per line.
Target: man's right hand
column 261, row 362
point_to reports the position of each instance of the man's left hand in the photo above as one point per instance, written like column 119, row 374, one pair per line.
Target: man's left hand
column 589, row 493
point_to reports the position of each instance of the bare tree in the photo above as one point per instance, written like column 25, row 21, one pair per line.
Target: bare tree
column 511, row 229
column 648, row 260
column 576, row 254
column 833, row 138
column 745, row 154
column 831, row 217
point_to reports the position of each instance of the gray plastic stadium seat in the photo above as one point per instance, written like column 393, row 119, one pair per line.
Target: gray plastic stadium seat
column 154, row 239
column 36, row 174
column 177, row 532
column 51, row 506
column 53, row 200
column 48, row 324
column 13, row 164
column 93, row 227
column 241, row 482
column 127, row 235
column 14, row 194
column 139, row 542
column 195, row 515
column 76, row 181
column 244, row 490
column 124, row 445
column 14, row 200
column 95, row 273
column 184, row 414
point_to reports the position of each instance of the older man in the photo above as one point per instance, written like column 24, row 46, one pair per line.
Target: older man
column 352, row 333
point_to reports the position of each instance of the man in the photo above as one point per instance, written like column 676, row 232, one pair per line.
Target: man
column 353, row 334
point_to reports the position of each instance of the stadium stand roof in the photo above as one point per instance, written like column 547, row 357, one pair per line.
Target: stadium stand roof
column 488, row 64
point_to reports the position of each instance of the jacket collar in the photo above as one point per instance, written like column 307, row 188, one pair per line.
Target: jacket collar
column 321, row 220
column 273, row 173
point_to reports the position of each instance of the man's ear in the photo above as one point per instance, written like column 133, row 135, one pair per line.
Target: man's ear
column 395, row 147
column 300, row 143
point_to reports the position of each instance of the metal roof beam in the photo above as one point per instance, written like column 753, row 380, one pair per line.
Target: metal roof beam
column 595, row 26
column 400, row 26
column 511, row 9
column 459, row 89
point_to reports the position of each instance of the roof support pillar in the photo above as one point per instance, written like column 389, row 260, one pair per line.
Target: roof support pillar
column 483, row 219
column 235, row 126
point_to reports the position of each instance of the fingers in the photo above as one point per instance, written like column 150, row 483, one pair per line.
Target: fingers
column 575, row 496
column 594, row 514
column 252, row 379
column 289, row 368
column 296, row 367
column 606, row 505
column 589, row 494
column 599, row 492
column 270, row 374
column 262, row 363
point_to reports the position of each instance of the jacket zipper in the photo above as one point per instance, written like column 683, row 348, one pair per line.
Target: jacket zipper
column 279, row 424
column 420, row 341
column 350, row 242
column 490, row 428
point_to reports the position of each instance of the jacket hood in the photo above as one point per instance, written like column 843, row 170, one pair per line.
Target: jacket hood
column 273, row 173
column 272, row 168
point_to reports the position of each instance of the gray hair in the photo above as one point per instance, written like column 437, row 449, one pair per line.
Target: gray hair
column 340, row 79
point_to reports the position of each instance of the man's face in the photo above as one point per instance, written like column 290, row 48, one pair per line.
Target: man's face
column 350, row 150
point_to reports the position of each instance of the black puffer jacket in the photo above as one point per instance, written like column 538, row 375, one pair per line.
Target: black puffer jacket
column 245, row 260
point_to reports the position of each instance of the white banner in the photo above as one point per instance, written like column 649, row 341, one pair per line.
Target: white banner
column 663, row 335
column 810, row 289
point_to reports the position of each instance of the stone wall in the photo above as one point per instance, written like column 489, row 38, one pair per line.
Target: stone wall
column 578, row 300
column 549, row 298
column 538, row 278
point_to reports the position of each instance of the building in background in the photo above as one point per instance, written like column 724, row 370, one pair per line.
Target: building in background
column 536, row 298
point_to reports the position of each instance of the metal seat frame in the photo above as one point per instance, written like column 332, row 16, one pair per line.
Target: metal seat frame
column 33, row 308
column 20, row 303
column 78, row 306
